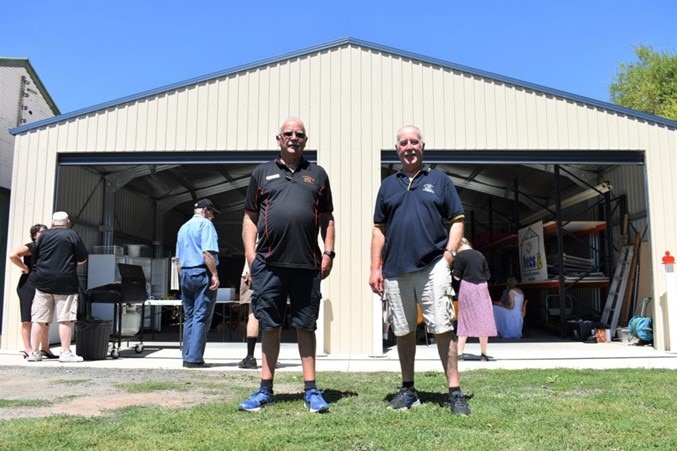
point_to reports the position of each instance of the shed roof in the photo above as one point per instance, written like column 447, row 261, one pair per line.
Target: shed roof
column 365, row 45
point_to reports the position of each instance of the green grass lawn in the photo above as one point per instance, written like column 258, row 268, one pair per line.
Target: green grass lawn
column 527, row 409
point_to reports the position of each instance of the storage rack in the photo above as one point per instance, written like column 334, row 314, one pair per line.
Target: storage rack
column 558, row 229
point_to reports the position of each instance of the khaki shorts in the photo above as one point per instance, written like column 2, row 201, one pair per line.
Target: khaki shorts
column 245, row 291
column 430, row 287
column 44, row 305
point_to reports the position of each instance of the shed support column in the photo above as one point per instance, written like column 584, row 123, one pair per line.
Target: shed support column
column 159, row 235
column 560, row 255
column 108, row 217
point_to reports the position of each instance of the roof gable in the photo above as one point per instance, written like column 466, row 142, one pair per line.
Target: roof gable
column 26, row 64
column 368, row 46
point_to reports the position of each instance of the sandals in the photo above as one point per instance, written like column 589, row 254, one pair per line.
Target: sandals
column 48, row 355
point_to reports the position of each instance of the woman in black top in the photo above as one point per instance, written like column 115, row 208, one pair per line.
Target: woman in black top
column 21, row 257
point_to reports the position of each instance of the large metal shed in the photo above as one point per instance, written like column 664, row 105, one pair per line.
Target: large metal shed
column 128, row 170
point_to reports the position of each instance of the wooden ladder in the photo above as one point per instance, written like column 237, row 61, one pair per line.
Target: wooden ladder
column 617, row 290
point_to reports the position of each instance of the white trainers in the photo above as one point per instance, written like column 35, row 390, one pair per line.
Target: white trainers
column 69, row 357
column 34, row 357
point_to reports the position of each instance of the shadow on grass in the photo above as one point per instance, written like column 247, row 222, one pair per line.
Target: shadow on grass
column 439, row 398
column 330, row 395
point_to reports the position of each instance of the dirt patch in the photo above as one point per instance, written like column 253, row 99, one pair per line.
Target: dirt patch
column 40, row 391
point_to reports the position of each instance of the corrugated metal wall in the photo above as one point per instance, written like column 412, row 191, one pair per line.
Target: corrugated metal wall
column 352, row 100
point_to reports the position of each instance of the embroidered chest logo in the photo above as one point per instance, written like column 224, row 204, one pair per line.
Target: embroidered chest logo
column 428, row 187
column 308, row 179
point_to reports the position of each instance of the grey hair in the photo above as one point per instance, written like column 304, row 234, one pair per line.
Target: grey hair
column 291, row 119
column 420, row 133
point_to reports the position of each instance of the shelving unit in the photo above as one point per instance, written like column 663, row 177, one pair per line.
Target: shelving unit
column 566, row 271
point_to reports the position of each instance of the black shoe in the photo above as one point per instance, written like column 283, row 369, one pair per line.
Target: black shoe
column 459, row 404
column 196, row 365
column 48, row 355
column 404, row 399
column 248, row 363
column 484, row 358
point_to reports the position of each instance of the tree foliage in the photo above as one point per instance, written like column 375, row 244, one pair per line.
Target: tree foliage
column 648, row 85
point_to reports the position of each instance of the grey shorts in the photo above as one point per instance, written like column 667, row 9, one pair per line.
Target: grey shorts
column 430, row 287
column 44, row 305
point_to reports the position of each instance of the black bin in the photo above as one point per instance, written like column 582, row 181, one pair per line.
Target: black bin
column 91, row 339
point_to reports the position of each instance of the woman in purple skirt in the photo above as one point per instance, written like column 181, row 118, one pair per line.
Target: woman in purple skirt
column 475, row 311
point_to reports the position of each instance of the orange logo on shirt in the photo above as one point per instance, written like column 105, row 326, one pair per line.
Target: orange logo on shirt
column 308, row 179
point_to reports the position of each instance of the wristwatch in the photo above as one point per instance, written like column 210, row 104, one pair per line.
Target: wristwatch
column 331, row 254
column 451, row 251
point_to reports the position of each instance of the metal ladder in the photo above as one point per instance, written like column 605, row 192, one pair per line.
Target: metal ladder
column 617, row 290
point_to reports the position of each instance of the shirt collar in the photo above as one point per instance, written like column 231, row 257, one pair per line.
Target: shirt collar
column 303, row 163
column 423, row 171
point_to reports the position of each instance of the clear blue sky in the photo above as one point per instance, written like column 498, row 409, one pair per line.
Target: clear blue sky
column 87, row 52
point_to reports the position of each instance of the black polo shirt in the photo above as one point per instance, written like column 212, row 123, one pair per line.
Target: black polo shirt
column 57, row 253
column 289, row 206
column 416, row 215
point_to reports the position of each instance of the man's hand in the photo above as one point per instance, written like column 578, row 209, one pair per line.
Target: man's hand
column 327, row 265
column 376, row 281
column 215, row 282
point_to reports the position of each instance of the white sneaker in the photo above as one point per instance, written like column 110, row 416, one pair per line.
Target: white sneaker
column 68, row 357
column 34, row 357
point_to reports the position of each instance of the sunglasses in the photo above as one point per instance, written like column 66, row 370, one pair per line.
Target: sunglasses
column 299, row 135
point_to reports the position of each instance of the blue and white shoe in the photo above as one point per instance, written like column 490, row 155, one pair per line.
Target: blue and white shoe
column 404, row 399
column 315, row 402
column 257, row 400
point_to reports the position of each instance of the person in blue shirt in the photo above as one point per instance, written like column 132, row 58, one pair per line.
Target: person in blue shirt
column 418, row 225
column 197, row 251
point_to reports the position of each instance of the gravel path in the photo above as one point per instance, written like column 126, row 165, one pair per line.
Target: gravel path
column 92, row 391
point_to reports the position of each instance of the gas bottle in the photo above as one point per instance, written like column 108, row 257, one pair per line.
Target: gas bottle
column 131, row 321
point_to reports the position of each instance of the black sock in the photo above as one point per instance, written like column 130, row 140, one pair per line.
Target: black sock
column 456, row 391
column 408, row 384
column 267, row 384
column 309, row 385
column 251, row 344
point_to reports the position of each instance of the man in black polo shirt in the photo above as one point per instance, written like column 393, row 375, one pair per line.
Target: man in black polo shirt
column 58, row 252
column 288, row 203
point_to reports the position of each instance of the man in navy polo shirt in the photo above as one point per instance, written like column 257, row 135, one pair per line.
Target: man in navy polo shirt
column 418, row 225
column 197, row 250
column 288, row 203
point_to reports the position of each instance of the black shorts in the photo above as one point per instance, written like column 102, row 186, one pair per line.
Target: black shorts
column 272, row 286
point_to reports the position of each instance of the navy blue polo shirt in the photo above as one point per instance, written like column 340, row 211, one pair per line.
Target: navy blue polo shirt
column 289, row 206
column 416, row 215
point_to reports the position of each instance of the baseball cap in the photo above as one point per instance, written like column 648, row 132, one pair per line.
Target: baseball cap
column 206, row 203
column 60, row 218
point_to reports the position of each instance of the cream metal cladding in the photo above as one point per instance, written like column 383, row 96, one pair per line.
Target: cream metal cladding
column 353, row 96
